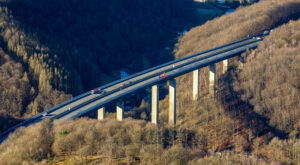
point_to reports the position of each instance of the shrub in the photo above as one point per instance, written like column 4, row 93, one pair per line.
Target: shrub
column 176, row 155
column 32, row 144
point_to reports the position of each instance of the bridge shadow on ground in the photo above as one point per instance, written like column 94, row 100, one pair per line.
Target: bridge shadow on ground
column 243, row 111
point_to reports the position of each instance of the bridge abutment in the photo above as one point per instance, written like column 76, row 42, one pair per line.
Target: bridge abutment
column 120, row 110
column 172, row 102
column 195, row 84
column 155, row 104
column 101, row 113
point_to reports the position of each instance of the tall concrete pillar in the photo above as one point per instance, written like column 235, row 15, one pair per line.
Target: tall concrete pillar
column 172, row 102
column 225, row 66
column 155, row 104
column 101, row 113
column 195, row 84
column 212, row 79
column 120, row 110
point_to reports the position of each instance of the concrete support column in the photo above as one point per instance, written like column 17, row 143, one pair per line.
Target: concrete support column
column 195, row 84
column 101, row 113
column 225, row 65
column 155, row 104
column 212, row 79
column 120, row 110
column 172, row 102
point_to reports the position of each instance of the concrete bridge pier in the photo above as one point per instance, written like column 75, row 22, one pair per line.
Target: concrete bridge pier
column 172, row 102
column 212, row 79
column 155, row 104
column 120, row 110
column 195, row 84
column 101, row 113
column 225, row 66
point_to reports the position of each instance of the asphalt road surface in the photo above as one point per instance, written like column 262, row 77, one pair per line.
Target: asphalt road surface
column 87, row 102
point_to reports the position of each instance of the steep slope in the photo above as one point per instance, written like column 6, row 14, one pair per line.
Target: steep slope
column 270, row 78
column 209, row 131
column 245, row 21
column 18, row 97
column 67, row 47
column 101, row 38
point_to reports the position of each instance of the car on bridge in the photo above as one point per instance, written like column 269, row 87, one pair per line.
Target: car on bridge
column 45, row 114
column 163, row 75
column 124, row 84
column 266, row 32
column 97, row 91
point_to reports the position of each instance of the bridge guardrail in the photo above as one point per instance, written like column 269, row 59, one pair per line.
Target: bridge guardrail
column 156, row 74
column 23, row 123
column 184, row 71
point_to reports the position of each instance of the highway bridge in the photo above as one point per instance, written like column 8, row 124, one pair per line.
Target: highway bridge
column 150, row 78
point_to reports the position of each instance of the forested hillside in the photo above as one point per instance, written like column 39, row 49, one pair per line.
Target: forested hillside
column 270, row 78
column 73, row 37
column 18, row 97
column 243, row 22
column 254, row 118
column 64, row 47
